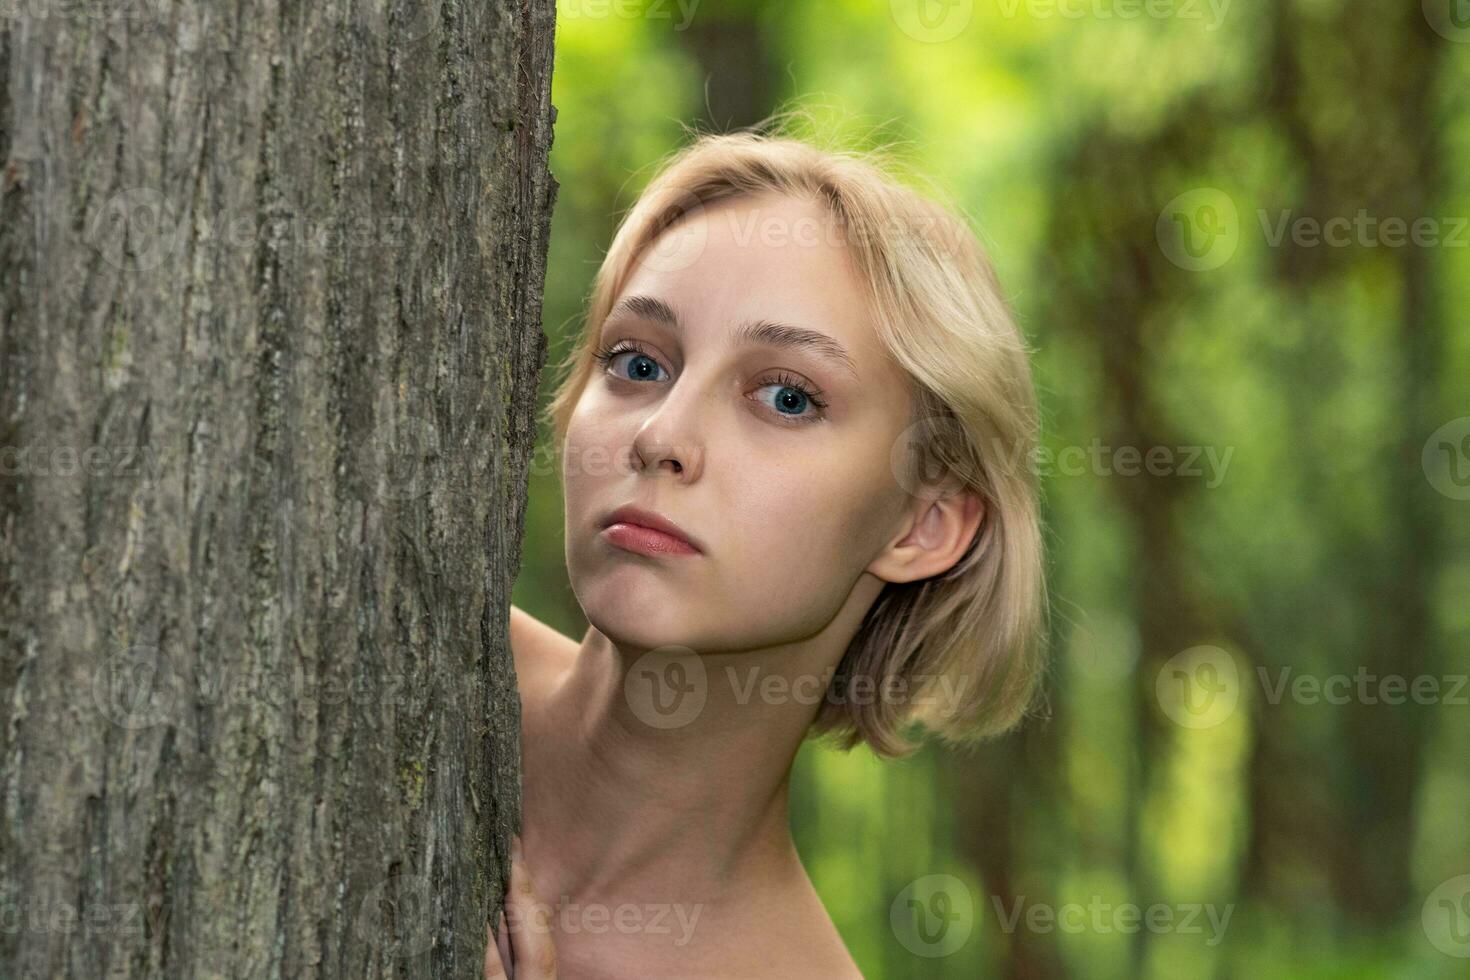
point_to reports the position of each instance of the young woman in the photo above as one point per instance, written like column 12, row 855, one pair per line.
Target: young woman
column 796, row 442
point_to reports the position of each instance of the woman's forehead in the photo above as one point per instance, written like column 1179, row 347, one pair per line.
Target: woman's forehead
column 745, row 260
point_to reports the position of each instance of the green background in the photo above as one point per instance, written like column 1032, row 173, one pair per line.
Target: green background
column 1147, row 178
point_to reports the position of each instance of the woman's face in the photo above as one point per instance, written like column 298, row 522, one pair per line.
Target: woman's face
column 774, row 458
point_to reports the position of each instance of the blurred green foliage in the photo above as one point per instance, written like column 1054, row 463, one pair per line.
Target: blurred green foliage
column 1147, row 177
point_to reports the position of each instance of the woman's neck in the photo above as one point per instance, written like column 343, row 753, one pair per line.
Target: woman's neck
column 656, row 779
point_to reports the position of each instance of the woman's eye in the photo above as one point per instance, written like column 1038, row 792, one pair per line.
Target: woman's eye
column 786, row 396
column 638, row 367
column 788, row 400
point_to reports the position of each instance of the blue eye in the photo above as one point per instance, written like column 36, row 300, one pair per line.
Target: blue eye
column 792, row 398
column 788, row 400
column 639, row 367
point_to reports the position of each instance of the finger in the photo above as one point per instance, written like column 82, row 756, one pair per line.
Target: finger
column 502, row 942
column 494, row 958
column 530, row 933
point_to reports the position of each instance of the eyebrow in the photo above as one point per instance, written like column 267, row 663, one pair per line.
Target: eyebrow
column 766, row 332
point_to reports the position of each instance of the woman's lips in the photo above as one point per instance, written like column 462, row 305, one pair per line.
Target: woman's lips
column 645, row 540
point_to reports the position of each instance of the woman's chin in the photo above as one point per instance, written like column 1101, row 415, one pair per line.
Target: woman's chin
column 636, row 614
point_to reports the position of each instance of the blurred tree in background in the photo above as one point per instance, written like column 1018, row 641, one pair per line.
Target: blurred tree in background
column 1237, row 236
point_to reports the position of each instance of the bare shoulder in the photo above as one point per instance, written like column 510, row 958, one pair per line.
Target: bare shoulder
column 829, row 961
column 813, row 949
column 541, row 654
column 829, row 956
column 804, row 933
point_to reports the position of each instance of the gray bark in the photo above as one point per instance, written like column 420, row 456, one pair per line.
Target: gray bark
column 270, row 284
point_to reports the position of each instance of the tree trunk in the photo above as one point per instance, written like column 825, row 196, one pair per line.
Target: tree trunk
column 269, row 349
column 734, row 62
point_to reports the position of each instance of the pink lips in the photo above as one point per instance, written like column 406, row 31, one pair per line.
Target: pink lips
column 646, row 541
column 647, row 533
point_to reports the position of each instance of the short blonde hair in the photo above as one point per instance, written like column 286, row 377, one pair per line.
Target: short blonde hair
column 966, row 644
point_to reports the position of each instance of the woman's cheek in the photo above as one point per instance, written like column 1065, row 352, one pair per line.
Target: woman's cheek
column 597, row 450
column 789, row 548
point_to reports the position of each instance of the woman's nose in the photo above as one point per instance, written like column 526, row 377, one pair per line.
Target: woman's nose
column 671, row 435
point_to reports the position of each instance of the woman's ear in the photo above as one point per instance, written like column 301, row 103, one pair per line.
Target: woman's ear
column 935, row 535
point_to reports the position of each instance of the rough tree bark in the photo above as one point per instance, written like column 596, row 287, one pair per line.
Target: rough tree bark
column 270, row 284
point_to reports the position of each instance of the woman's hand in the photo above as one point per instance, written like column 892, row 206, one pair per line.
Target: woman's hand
column 527, row 952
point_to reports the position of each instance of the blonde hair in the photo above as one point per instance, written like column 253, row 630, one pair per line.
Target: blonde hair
column 967, row 644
